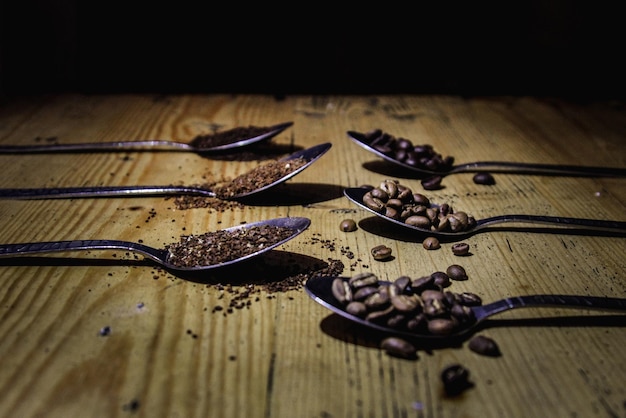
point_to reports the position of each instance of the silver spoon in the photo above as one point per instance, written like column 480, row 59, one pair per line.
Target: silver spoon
column 319, row 288
column 495, row 166
column 146, row 145
column 310, row 155
column 160, row 256
column 355, row 194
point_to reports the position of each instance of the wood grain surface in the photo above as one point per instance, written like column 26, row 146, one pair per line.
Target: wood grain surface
column 107, row 334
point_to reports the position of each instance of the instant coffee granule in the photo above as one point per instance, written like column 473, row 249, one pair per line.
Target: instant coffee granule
column 221, row 246
column 228, row 137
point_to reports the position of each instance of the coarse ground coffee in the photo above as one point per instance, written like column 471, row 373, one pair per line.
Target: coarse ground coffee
column 221, row 246
column 228, row 137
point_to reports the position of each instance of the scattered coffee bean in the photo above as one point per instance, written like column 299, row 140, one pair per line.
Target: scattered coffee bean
column 484, row 178
column 399, row 347
column 432, row 183
column 456, row 272
column 381, row 252
column 484, row 345
column 455, row 379
column 460, row 248
column 348, row 225
column 431, row 243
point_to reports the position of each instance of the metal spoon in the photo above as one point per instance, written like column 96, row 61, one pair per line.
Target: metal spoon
column 355, row 194
column 319, row 288
column 310, row 155
column 147, row 145
column 160, row 256
column 496, row 166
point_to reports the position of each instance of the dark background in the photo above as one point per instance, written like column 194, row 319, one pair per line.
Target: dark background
column 570, row 49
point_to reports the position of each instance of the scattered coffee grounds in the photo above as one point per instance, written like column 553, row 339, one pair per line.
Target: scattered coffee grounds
column 398, row 202
column 258, row 177
column 403, row 150
column 221, row 246
column 185, row 202
column 228, row 137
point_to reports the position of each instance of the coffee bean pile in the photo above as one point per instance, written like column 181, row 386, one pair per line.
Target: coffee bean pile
column 221, row 246
column 421, row 305
column 228, row 137
column 398, row 202
column 403, row 150
column 258, row 177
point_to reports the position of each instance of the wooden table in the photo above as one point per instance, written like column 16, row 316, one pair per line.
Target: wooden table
column 104, row 333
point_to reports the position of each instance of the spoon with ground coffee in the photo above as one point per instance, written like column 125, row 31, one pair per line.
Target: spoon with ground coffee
column 193, row 252
column 462, row 316
column 423, row 159
column 255, row 181
column 201, row 144
column 452, row 225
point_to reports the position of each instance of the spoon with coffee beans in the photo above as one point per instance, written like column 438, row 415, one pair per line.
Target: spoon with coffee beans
column 423, row 159
column 421, row 310
column 254, row 181
column 397, row 203
column 193, row 252
column 202, row 144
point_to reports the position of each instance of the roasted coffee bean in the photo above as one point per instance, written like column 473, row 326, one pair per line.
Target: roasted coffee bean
column 456, row 272
column 441, row 279
column 442, row 326
column 373, row 203
column 363, row 279
column 432, row 183
column 364, row 292
column 455, row 379
column 484, row 345
column 406, row 303
column 484, row 178
column 422, row 283
column 460, row 248
column 390, row 187
column 418, row 221
column 341, row 290
column 469, row 299
column 381, row 252
column 377, row 300
column 348, row 225
column 356, row 308
column 431, row 243
column 399, row 347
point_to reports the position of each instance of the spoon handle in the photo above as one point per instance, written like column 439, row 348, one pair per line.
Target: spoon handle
column 555, row 301
column 544, row 169
column 155, row 144
column 572, row 223
column 103, row 191
column 10, row 250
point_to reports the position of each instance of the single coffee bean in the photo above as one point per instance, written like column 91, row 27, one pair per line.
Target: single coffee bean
column 455, row 379
column 456, row 272
column 484, row 178
column 399, row 347
column 431, row 243
column 381, row 252
column 460, row 248
column 348, row 225
column 432, row 183
column 341, row 290
column 363, row 279
column 484, row 345
column 356, row 308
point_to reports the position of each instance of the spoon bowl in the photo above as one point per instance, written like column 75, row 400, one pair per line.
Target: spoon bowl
column 319, row 288
column 197, row 145
column 163, row 256
column 491, row 166
column 309, row 155
column 355, row 194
